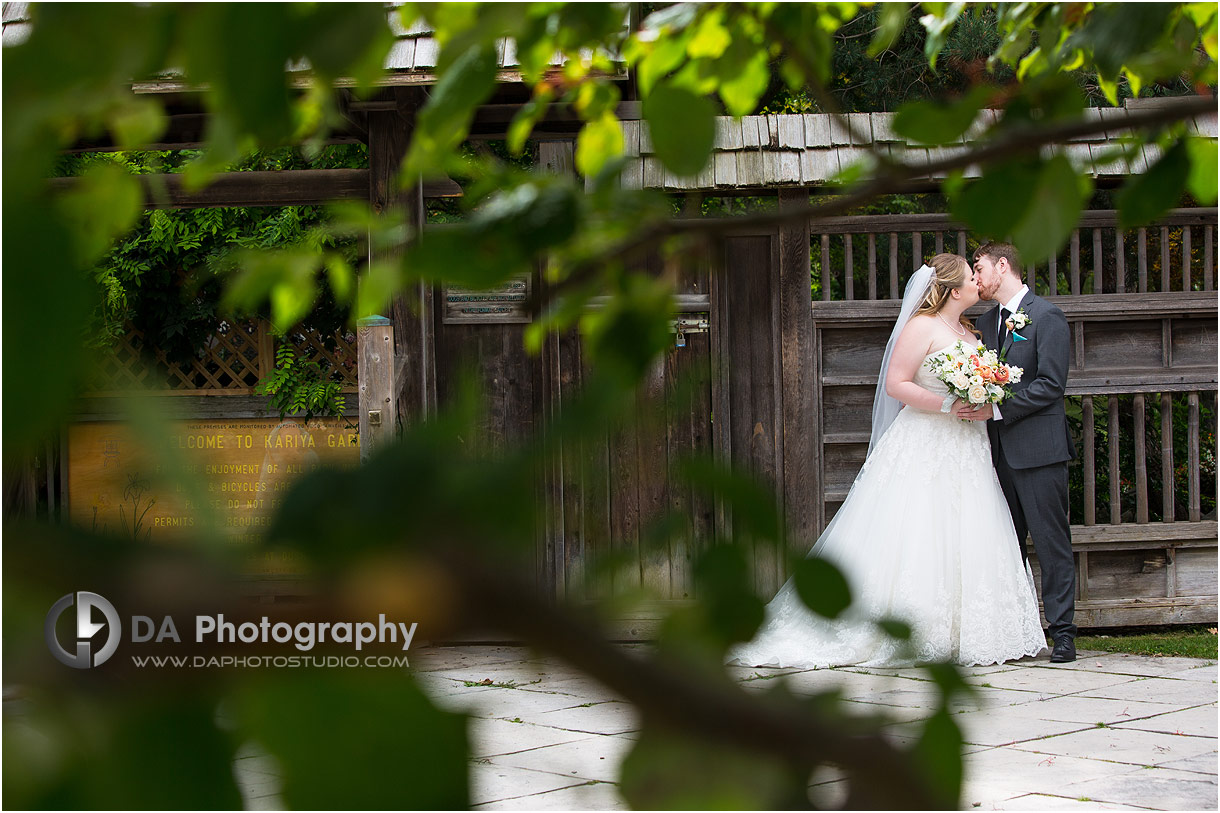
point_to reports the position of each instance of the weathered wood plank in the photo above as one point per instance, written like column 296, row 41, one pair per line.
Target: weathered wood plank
column 1192, row 456
column 826, row 267
column 796, row 373
column 1118, row 344
column 1090, row 461
column 1167, row 478
column 1120, row 262
column 893, row 265
column 1098, row 279
column 378, row 418
column 413, row 313
column 1141, row 461
column 1142, row 255
column 655, row 553
column 1112, row 448
column 849, row 270
column 1165, row 259
column 1086, row 307
column 1209, row 256
column 872, row 266
column 1186, row 258
column 1075, row 267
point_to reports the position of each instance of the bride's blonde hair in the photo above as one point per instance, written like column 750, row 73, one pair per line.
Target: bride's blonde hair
column 950, row 271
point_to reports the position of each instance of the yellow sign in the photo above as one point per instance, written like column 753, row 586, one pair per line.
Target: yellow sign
column 234, row 473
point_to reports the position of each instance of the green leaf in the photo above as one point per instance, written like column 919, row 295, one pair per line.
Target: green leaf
column 994, row 204
column 105, row 202
column 380, row 281
column 666, row 55
column 935, row 123
column 325, row 728
column 665, row 771
column 346, row 40
column 939, row 753
column 741, row 92
column 893, row 18
column 138, row 122
column 599, row 141
column 1203, row 170
column 894, row 628
column 822, row 587
column 710, row 38
column 682, row 126
column 1146, row 197
column 526, row 119
column 1053, row 211
column 444, row 121
column 938, row 24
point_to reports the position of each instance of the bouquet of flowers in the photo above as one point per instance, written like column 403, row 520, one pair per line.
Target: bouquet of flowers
column 974, row 374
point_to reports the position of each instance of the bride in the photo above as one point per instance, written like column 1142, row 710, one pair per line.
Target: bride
column 924, row 535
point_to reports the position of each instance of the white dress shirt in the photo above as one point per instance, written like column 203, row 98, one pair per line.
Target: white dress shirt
column 1012, row 305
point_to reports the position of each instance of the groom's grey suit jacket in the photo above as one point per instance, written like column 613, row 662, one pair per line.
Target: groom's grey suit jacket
column 1033, row 431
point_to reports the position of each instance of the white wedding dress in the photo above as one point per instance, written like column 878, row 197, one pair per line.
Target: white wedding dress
column 923, row 536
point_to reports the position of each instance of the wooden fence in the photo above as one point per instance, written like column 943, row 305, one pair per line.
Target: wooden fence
column 786, row 393
column 1142, row 308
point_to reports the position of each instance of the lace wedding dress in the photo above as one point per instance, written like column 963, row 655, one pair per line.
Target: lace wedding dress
column 924, row 536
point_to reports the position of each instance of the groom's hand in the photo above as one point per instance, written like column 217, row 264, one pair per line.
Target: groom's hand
column 969, row 412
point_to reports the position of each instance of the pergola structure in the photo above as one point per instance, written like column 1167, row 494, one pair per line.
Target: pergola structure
column 787, row 377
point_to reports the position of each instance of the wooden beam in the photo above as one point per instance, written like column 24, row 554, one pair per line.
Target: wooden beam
column 289, row 187
column 801, row 447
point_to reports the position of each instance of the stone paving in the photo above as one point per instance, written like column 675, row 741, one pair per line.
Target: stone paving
column 1110, row 731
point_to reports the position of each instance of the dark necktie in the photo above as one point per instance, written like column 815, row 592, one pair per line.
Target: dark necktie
column 1002, row 331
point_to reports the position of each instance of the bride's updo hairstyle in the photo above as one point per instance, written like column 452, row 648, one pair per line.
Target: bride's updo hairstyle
column 949, row 271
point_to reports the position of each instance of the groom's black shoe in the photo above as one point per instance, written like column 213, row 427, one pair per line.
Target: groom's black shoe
column 1065, row 649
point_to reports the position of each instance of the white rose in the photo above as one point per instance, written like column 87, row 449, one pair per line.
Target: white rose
column 977, row 394
column 960, row 380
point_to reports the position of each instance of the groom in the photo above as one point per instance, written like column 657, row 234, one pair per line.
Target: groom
column 1030, row 444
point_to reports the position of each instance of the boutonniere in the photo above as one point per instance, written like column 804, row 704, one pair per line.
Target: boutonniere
column 1018, row 321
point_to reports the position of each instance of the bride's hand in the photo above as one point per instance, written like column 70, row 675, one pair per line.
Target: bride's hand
column 969, row 412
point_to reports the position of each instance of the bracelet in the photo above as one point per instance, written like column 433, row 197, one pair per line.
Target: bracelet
column 948, row 403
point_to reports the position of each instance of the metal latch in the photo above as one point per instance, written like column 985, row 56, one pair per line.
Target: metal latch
column 685, row 325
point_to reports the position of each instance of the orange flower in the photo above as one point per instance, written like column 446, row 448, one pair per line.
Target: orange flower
column 1001, row 375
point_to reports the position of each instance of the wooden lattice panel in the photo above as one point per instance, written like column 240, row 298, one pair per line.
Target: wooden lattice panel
column 232, row 360
column 339, row 354
column 229, row 362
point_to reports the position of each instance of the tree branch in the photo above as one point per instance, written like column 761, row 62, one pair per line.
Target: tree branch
column 670, row 695
column 1015, row 142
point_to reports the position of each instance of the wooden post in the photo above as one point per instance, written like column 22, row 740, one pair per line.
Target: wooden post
column 894, row 265
column 1167, row 480
column 800, row 449
column 554, row 557
column 1112, row 432
column 1090, row 461
column 411, row 314
column 378, row 410
column 1141, row 461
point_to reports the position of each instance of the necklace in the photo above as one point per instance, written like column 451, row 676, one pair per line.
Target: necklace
column 958, row 329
